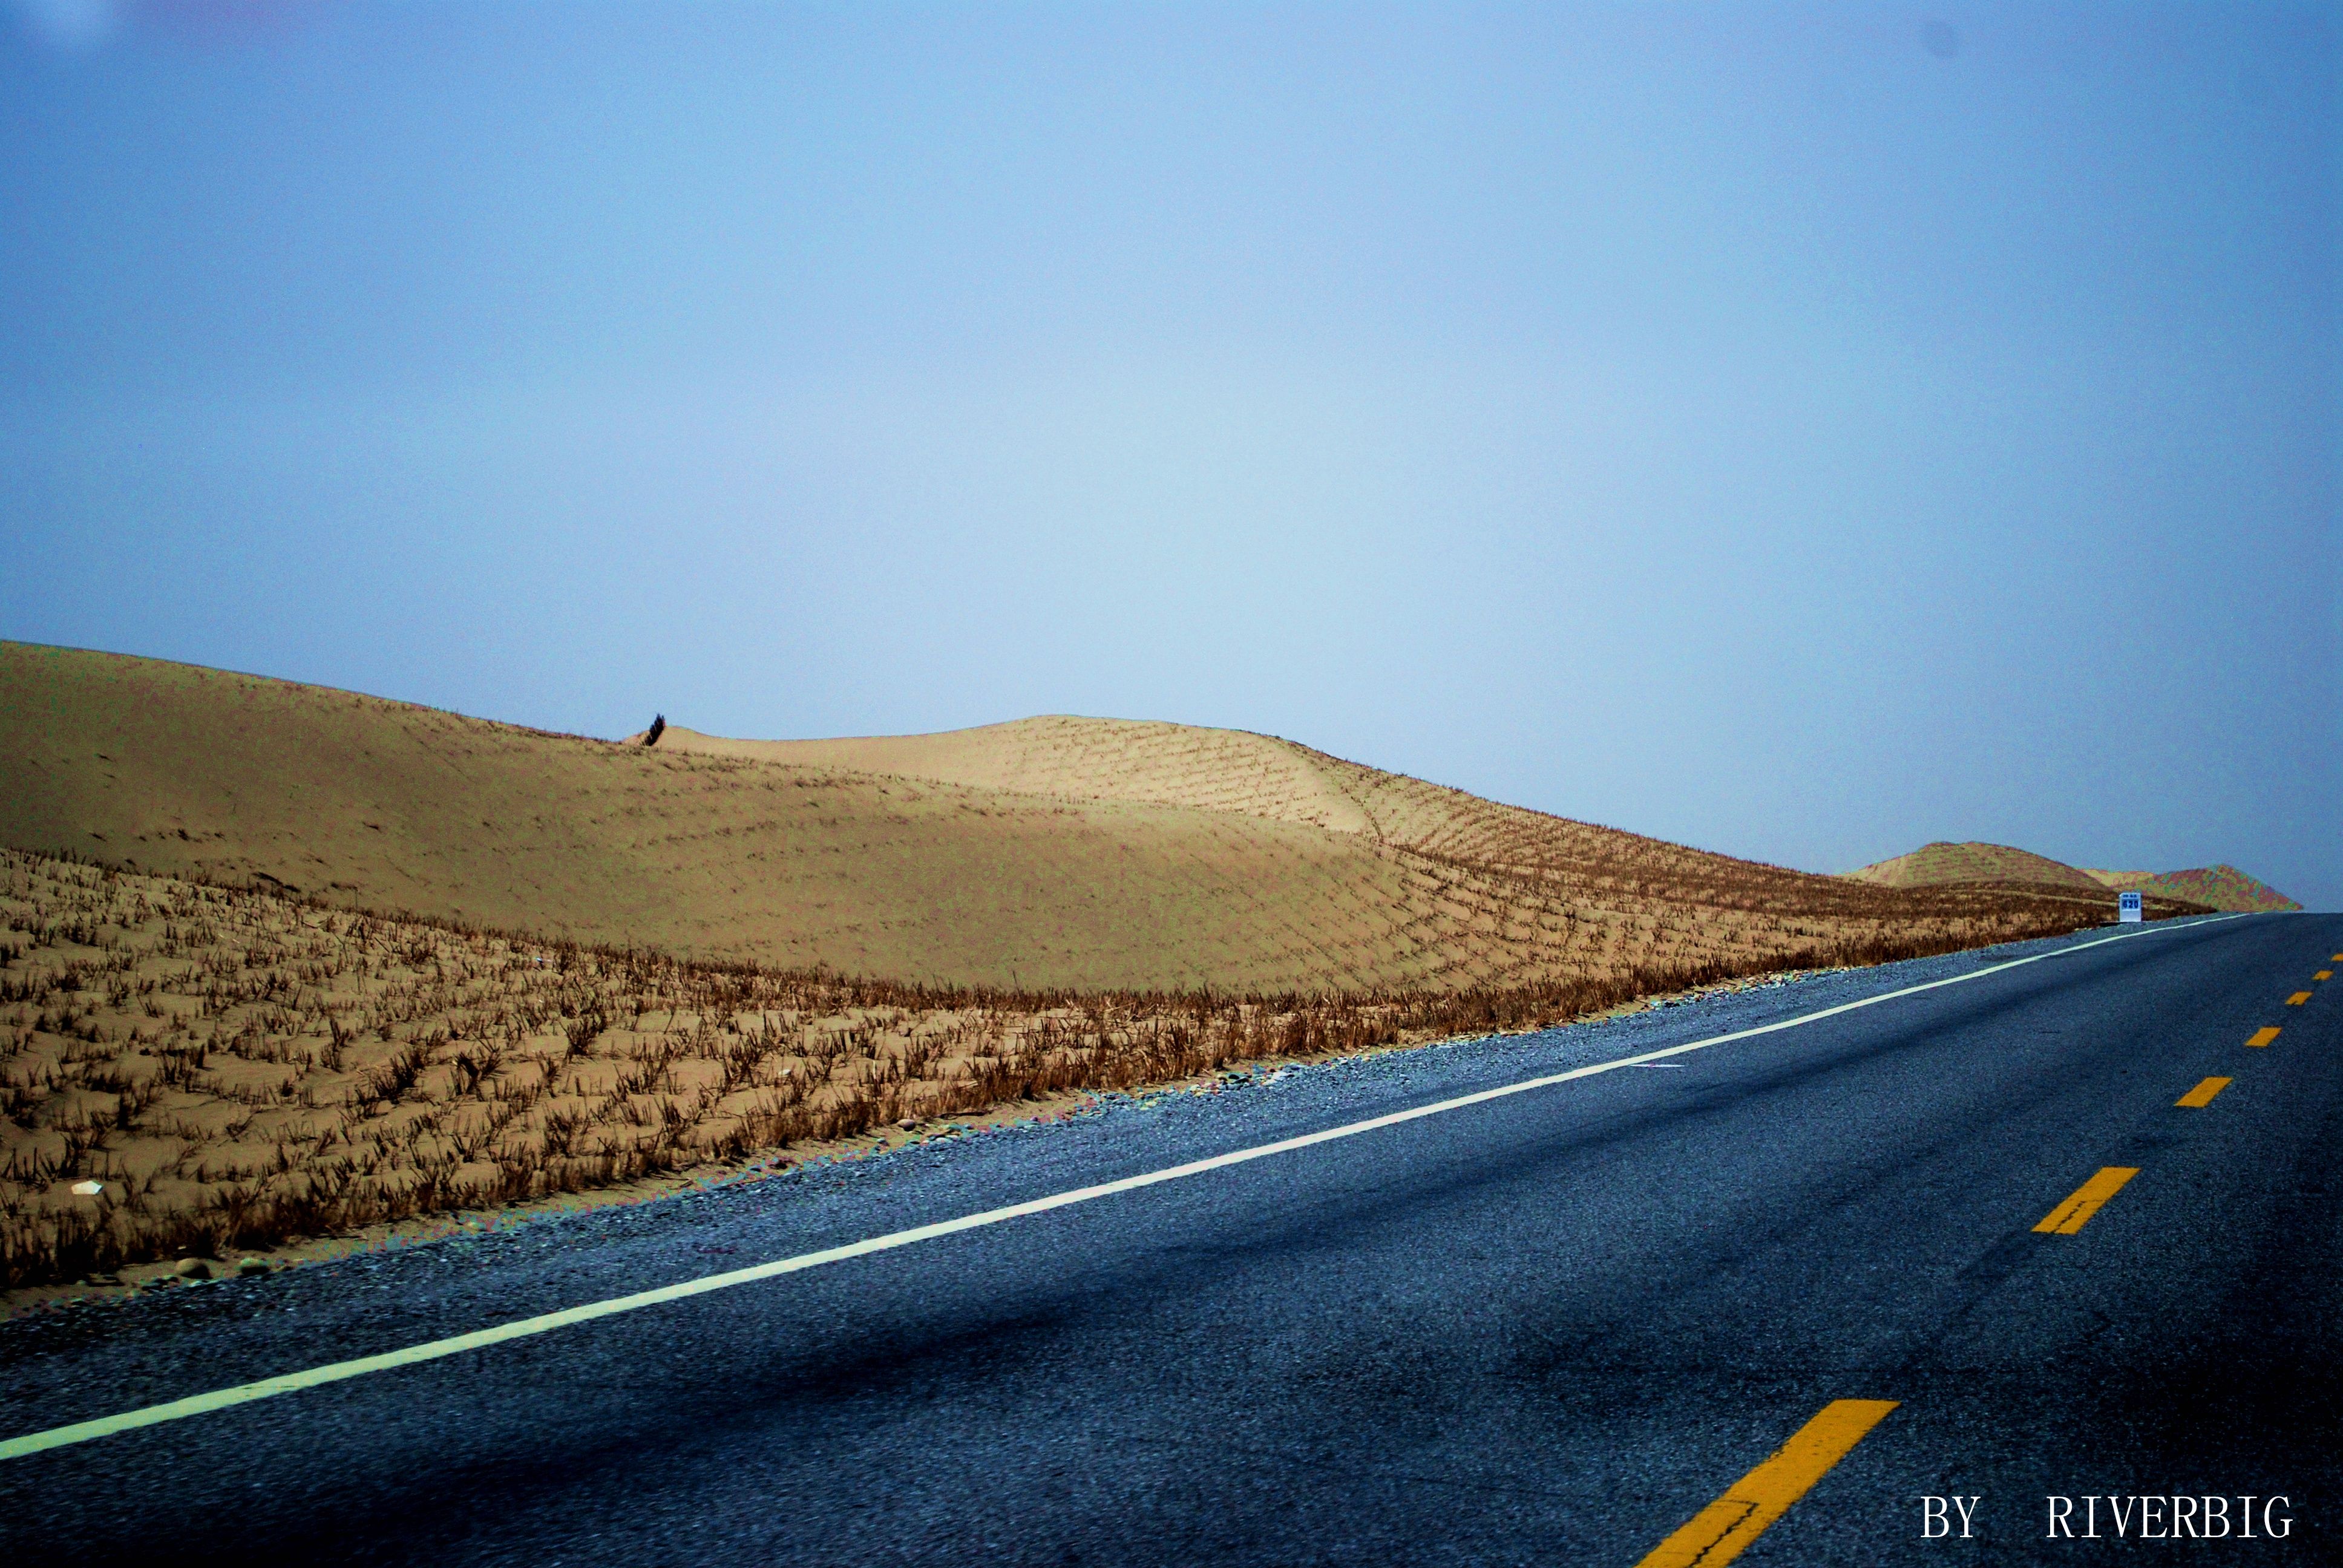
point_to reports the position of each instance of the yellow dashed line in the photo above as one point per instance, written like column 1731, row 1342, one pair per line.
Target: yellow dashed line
column 1718, row 1532
column 2263, row 1036
column 2202, row 1095
column 2297, row 999
column 2088, row 1199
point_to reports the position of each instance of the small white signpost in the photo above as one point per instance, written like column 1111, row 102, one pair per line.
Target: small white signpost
column 2128, row 908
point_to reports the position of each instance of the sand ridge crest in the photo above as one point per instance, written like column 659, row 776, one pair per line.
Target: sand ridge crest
column 1240, row 772
column 1140, row 761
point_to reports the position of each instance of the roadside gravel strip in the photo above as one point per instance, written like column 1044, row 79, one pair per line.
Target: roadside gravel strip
column 431, row 1350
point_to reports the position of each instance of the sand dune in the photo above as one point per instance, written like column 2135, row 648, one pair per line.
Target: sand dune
column 1933, row 864
column 1053, row 852
column 2215, row 886
column 1946, row 864
column 389, row 806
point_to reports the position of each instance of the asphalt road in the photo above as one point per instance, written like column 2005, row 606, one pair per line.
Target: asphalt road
column 1552, row 1328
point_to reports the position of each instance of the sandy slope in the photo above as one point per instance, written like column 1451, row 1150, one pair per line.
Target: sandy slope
column 231, row 1067
column 191, row 1067
column 1053, row 852
column 385, row 805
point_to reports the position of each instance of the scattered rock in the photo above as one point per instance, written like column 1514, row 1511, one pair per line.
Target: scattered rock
column 252, row 1266
column 192, row 1269
column 90, row 1189
column 908, row 1123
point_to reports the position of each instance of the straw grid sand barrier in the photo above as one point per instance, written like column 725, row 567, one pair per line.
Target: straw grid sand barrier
column 195, row 1069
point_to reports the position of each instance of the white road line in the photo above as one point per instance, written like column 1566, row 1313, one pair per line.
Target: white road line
column 244, row 1394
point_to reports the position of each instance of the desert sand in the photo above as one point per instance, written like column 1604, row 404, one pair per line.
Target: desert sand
column 281, row 961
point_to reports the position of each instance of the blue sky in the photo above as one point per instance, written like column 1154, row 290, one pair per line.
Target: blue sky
column 1799, row 432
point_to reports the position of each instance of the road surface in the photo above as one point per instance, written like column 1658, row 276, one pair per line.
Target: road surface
column 1767, row 1296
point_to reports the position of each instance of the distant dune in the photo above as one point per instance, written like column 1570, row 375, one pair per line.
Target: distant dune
column 1938, row 864
column 1945, row 864
column 2216, row 886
